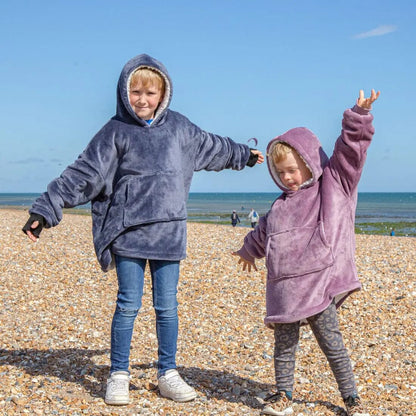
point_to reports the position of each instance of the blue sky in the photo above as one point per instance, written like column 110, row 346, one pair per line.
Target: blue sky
column 240, row 69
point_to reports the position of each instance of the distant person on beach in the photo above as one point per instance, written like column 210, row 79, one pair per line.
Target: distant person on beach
column 253, row 217
column 392, row 232
column 307, row 238
column 234, row 218
column 137, row 172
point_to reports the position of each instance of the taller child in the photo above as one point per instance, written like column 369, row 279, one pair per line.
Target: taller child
column 137, row 172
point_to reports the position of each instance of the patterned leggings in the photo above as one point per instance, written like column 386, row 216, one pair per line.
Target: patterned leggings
column 326, row 330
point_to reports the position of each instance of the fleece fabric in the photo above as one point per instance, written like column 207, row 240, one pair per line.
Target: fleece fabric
column 308, row 235
column 138, row 175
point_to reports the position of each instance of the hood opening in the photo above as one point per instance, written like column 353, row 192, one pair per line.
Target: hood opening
column 165, row 101
column 275, row 174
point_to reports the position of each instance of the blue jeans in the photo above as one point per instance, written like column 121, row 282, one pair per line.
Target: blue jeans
column 130, row 274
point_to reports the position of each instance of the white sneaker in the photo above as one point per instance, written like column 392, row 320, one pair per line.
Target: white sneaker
column 172, row 386
column 118, row 388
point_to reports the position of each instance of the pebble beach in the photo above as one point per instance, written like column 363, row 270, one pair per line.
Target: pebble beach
column 57, row 306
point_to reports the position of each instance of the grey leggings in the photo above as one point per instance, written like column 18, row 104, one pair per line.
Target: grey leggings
column 326, row 330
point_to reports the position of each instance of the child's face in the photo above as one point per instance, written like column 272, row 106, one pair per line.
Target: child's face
column 293, row 171
column 144, row 99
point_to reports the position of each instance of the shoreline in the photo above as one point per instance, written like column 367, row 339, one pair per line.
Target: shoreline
column 401, row 228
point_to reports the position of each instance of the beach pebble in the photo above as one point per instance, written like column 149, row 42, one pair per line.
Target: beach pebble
column 57, row 307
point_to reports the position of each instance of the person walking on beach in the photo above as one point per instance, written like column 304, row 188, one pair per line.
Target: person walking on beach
column 307, row 238
column 137, row 172
column 253, row 218
column 234, row 218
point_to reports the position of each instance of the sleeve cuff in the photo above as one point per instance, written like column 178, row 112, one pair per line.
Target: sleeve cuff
column 252, row 160
column 245, row 255
column 360, row 110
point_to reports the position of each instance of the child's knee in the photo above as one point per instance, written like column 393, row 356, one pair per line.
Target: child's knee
column 166, row 312
column 127, row 312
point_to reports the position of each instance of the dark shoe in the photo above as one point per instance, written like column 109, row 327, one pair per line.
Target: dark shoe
column 277, row 404
column 354, row 407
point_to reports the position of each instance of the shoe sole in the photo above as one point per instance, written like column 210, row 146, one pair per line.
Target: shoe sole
column 266, row 411
column 181, row 398
column 121, row 402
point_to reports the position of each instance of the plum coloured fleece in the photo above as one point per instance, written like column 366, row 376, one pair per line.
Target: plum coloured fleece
column 137, row 177
column 308, row 235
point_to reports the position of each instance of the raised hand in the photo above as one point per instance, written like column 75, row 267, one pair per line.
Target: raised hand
column 366, row 102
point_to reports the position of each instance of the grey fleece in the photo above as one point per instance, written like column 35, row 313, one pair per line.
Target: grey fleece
column 137, row 177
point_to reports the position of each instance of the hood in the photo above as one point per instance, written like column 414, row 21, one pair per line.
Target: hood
column 309, row 149
column 124, row 110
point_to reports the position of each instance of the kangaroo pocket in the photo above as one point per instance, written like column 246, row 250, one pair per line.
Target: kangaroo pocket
column 297, row 251
column 153, row 197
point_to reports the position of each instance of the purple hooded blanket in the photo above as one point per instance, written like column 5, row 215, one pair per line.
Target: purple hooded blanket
column 308, row 235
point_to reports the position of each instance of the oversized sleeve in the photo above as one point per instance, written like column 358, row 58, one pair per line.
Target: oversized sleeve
column 88, row 177
column 214, row 152
column 254, row 246
column 350, row 152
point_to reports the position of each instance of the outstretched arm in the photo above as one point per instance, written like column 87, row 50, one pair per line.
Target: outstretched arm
column 254, row 246
column 90, row 175
column 348, row 158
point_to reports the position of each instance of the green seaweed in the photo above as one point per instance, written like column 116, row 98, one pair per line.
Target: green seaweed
column 401, row 228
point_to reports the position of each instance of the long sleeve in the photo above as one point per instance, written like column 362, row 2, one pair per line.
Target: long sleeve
column 350, row 151
column 80, row 182
column 254, row 246
column 215, row 152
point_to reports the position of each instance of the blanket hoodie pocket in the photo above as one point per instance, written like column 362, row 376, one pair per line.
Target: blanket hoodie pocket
column 154, row 197
column 298, row 251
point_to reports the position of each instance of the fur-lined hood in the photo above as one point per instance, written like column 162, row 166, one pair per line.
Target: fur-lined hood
column 124, row 110
column 309, row 148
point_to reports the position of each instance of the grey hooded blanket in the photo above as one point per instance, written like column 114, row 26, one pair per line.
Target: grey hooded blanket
column 137, row 177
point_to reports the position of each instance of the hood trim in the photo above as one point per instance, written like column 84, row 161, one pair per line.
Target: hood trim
column 274, row 173
column 166, row 98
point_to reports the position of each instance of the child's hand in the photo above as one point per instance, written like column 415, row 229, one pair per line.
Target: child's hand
column 259, row 154
column 366, row 102
column 34, row 226
column 246, row 264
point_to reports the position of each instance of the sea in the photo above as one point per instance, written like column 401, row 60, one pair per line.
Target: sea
column 372, row 208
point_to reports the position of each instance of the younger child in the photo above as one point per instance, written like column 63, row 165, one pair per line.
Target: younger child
column 308, row 240
column 137, row 172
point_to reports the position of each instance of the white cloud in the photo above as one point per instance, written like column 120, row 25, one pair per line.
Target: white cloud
column 378, row 31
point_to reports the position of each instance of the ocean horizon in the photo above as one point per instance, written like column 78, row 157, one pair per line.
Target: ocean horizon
column 390, row 209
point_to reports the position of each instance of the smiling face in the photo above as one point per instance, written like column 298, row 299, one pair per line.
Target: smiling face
column 144, row 99
column 292, row 171
column 146, row 92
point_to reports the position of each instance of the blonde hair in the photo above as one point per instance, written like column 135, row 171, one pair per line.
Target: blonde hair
column 148, row 76
column 280, row 151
